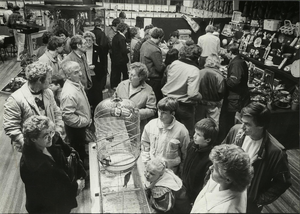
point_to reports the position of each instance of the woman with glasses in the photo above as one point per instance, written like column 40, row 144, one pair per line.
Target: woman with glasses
column 166, row 192
column 44, row 169
column 230, row 175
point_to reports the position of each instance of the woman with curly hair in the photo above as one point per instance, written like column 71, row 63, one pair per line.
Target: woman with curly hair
column 44, row 170
column 226, row 190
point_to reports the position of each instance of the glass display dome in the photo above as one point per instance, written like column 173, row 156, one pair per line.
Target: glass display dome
column 117, row 125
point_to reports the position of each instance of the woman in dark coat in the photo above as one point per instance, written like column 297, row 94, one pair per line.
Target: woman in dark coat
column 44, row 169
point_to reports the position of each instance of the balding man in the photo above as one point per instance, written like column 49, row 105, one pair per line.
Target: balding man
column 209, row 43
column 76, row 110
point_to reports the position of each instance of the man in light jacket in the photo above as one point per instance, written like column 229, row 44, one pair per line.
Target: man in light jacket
column 76, row 110
column 33, row 98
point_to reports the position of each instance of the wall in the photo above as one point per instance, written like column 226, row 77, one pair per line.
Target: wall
column 171, row 24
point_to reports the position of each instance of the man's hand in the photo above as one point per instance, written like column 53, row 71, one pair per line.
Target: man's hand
column 18, row 145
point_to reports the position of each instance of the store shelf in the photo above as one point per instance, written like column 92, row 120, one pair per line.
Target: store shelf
column 272, row 68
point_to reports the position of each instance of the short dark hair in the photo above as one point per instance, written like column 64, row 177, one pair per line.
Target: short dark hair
column 209, row 128
column 98, row 19
column 171, row 56
column 234, row 48
column 16, row 8
column 46, row 36
column 133, row 31
column 10, row 5
column 122, row 15
column 168, row 104
column 148, row 27
column 157, row 33
column 115, row 22
column 55, row 42
column 77, row 39
column 175, row 34
column 57, row 80
column 259, row 112
column 62, row 31
column 122, row 27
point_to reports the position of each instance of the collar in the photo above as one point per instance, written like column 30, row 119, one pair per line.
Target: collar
column 188, row 61
column 80, row 56
column 240, row 137
column 78, row 86
column 197, row 149
column 35, row 158
column 140, row 87
column 50, row 56
column 160, row 124
column 33, row 92
column 216, row 70
column 97, row 28
column 152, row 42
column 169, row 180
column 122, row 34
column 215, row 199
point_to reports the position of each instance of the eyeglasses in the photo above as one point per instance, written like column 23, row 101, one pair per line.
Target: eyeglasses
column 49, row 135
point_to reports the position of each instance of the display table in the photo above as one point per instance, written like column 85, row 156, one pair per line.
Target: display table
column 109, row 191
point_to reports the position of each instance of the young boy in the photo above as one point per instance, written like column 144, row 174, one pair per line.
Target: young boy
column 166, row 137
column 197, row 159
column 56, row 87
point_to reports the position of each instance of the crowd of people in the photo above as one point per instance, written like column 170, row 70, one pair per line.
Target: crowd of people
column 197, row 159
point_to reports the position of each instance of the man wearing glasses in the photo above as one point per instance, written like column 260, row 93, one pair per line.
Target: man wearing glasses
column 33, row 98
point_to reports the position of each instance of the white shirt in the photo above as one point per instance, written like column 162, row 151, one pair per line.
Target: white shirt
column 89, row 56
column 209, row 43
column 212, row 200
column 251, row 147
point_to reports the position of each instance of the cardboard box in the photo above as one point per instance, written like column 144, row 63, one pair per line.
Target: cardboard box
column 271, row 24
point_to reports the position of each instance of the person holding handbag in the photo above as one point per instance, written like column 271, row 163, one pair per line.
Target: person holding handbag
column 49, row 183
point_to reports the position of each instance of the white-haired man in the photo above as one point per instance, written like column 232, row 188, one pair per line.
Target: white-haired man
column 75, row 107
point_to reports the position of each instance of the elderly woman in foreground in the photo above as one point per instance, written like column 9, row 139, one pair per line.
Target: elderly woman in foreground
column 138, row 91
column 226, row 190
column 44, row 169
column 166, row 191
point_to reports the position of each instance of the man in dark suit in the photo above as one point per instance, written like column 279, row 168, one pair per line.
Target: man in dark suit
column 103, row 43
column 119, row 56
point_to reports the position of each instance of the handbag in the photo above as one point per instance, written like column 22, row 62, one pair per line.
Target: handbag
column 75, row 166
